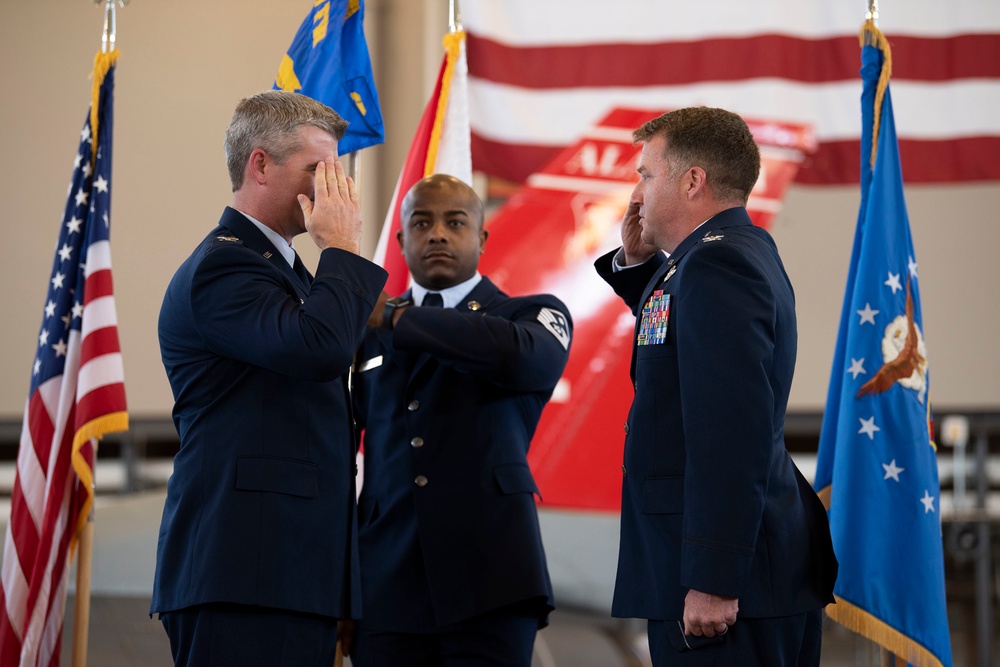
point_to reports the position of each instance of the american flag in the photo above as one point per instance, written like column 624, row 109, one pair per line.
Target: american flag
column 542, row 73
column 77, row 395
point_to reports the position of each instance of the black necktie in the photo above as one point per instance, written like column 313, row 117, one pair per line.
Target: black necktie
column 300, row 271
column 433, row 300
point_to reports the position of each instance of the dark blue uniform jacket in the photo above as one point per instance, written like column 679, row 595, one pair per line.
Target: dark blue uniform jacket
column 260, row 507
column 710, row 497
column 449, row 401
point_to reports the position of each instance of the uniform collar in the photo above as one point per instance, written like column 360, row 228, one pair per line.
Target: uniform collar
column 280, row 244
column 451, row 296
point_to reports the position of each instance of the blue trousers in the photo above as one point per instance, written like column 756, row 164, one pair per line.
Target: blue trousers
column 233, row 635
column 504, row 638
column 788, row 641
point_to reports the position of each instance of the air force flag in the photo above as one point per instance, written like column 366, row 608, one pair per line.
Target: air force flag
column 877, row 467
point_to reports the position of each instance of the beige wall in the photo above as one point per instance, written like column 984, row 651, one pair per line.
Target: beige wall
column 185, row 64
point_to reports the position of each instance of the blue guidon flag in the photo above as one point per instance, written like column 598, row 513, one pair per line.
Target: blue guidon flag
column 877, row 469
column 329, row 62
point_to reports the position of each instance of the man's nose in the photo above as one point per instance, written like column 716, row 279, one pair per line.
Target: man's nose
column 439, row 231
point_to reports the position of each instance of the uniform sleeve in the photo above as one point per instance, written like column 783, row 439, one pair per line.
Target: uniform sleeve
column 524, row 352
column 628, row 283
column 725, row 348
column 244, row 311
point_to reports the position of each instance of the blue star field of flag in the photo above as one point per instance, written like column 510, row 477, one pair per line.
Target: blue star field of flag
column 86, row 220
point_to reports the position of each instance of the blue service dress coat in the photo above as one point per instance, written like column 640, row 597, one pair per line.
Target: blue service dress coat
column 711, row 499
column 260, row 507
column 449, row 400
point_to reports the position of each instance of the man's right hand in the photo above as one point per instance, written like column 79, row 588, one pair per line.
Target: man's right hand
column 636, row 250
column 333, row 217
column 375, row 319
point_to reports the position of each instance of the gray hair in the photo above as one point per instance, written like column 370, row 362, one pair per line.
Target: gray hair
column 270, row 120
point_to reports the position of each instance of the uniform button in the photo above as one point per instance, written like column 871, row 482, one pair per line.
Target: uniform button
column 624, row 471
column 626, row 428
column 417, row 442
column 420, row 481
column 413, row 406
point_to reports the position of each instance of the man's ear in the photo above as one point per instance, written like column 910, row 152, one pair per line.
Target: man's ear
column 695, row 181
column 483, row 235
column 257, row 165
column 399, row 240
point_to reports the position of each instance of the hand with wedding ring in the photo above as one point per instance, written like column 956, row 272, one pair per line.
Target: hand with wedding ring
column 708, row 615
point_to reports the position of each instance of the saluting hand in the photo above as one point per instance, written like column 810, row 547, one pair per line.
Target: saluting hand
column 333, row 217
column 636, row 250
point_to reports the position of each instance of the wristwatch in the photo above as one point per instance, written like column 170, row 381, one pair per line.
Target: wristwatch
column 390, row 307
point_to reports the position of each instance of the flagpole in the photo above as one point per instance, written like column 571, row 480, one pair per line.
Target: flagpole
column 454, row 16
column 81, row 620
column 872, row 13
column 353, row 167
column 85, row 548
column 888, row 659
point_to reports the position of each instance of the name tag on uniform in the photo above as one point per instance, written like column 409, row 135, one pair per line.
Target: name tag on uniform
column 655, row 316
column 374, row 362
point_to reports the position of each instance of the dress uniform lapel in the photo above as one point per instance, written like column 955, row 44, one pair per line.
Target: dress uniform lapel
column 707, row 232
column 254, row 239
column 664, row 273
column 650, row 286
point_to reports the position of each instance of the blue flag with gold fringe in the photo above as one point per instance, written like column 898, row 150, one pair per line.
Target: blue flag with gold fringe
column 877, row 467
column 328, row 61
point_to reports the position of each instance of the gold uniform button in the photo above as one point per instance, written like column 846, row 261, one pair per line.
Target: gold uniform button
column 420, row 481
column 417, row 442
column 413, row 406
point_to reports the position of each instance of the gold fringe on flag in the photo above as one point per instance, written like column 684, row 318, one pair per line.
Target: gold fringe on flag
column 870, row 35
column 863, row 623
column 453, row 45
column 102, row 65
column 824, row 496
column 94, row 429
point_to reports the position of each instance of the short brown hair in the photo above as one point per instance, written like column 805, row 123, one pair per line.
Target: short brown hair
column 270, row 120
column 716, row 140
